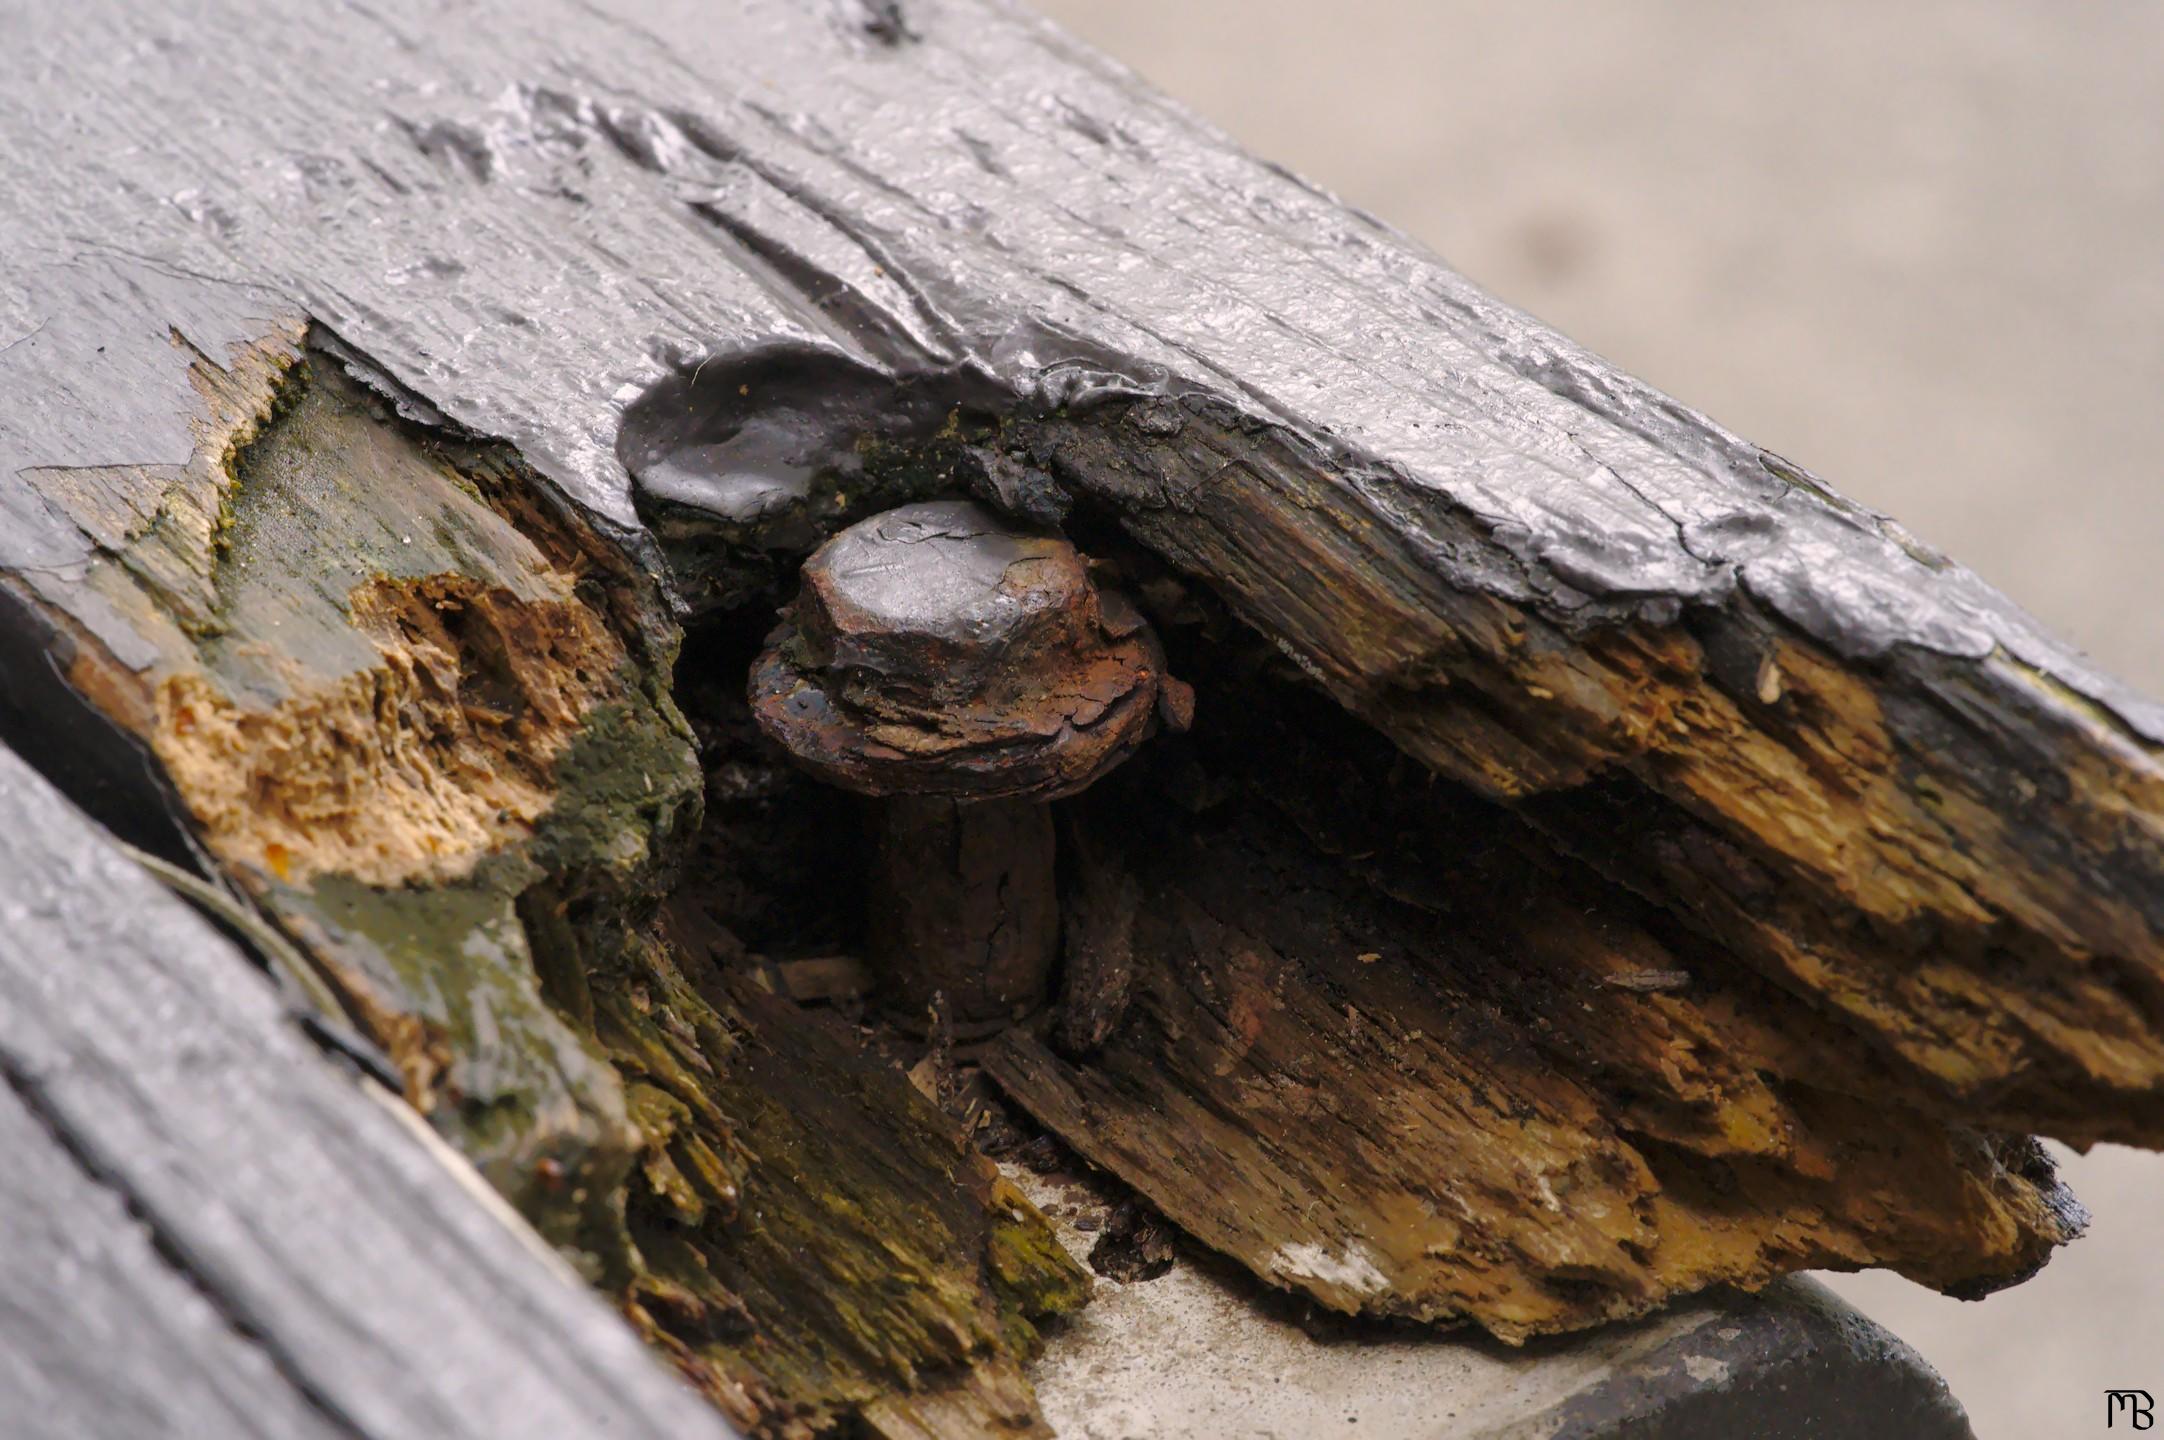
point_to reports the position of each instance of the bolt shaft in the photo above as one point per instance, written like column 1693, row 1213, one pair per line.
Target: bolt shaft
column 964, row 912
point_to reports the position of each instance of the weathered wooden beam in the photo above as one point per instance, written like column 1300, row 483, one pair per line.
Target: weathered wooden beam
column 1872, row 778
column 381, row 395
column 424, row 725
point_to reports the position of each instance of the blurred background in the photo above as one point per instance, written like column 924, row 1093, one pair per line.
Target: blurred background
column 1918, row 248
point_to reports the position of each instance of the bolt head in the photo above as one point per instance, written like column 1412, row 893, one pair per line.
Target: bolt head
column 938, row 650
column 946, row 602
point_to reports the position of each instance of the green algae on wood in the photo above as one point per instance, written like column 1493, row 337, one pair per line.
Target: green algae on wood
column 871, row 1253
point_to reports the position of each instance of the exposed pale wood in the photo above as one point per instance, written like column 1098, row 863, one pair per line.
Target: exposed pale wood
column 424, row 724
column 1375, row 1052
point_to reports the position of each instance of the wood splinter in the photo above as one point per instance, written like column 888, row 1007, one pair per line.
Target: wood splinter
column 966, row 673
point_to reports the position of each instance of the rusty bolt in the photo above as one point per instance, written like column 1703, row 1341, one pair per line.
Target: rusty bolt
column 966, row 672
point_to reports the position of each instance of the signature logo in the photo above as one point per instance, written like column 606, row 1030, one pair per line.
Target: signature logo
column 2136, row 1405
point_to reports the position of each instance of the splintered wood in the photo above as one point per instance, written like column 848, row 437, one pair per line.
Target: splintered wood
column 1607, row 862
column 1377, row 1046
column 1961, row 854
column 1379, row 1039
column 1386, row 1042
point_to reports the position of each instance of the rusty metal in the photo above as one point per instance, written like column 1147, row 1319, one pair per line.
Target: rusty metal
column 971, row 671
column 937, row 650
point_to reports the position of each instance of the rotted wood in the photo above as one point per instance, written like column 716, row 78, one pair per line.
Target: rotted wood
column 1642, row 867
column 423, row 726
column 1375, row 1041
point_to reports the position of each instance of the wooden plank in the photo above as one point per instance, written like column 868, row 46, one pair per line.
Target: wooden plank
column 393, row 1292
column 104, row 1335
column 107, row 1335
column 123, row 1325
column 427, row 730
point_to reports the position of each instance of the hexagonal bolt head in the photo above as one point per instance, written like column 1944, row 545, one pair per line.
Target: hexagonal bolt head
column 937, row 651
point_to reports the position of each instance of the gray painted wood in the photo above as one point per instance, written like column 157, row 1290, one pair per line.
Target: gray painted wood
column 102, row 1335
column 530, row 212
column 581, row 226
column 390, row 1292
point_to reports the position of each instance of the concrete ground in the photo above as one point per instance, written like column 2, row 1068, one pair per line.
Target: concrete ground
column 1918, row 248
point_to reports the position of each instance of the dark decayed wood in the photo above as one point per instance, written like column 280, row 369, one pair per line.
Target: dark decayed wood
column 423, row 724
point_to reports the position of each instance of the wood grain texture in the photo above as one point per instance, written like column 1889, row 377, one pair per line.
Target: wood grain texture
column 1377, row 1044
column 395, row 1297
column 425, row 726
